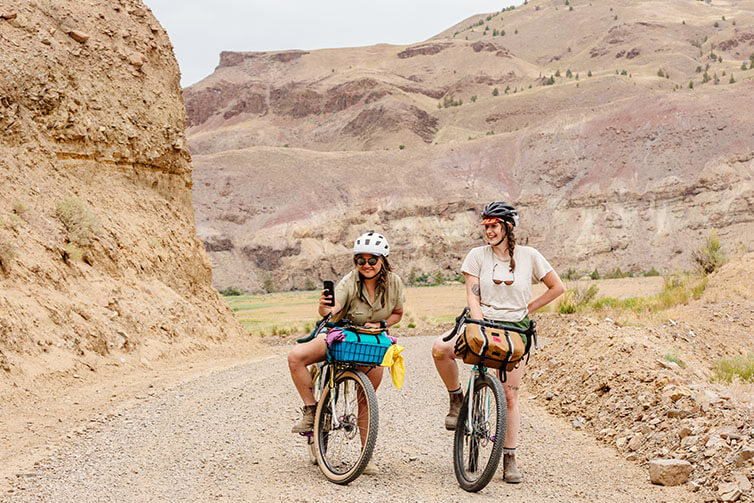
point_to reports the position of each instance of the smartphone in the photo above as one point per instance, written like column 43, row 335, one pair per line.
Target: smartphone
column 330, row 292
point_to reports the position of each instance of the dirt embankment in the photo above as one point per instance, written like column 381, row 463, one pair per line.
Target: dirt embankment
column 99, row 260
column 646, row 390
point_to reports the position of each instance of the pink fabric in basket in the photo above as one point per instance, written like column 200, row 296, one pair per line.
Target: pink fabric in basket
column 336, row 334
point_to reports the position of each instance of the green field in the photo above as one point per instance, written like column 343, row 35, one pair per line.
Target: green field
column 296, row 312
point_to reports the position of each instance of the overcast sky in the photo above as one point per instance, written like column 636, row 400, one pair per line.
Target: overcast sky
column 200, row 29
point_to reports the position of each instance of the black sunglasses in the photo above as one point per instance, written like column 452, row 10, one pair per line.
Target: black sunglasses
column 361, row 261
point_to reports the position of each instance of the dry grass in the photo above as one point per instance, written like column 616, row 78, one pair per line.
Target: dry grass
column 677, row 289
column 739, row 368
column 80, row 221
column 20, row 209
column 7, row 254
column 13, row 221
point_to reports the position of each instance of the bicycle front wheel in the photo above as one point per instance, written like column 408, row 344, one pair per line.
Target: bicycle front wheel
column 345, row 426
column 480, row 434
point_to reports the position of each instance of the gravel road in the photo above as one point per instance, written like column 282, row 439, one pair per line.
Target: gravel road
column 225, row 436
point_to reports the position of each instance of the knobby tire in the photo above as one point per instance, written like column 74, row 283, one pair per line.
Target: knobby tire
column 472, row 470
column 331, row 443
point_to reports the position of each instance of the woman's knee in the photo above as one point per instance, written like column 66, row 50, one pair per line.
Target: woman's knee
column 441, row 350
column 295, row 359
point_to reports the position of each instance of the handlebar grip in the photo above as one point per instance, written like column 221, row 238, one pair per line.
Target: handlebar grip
column 305, row 339
column 459, row 321
column 317, row 329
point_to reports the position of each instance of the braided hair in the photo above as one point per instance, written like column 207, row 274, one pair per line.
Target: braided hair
column 511, row 244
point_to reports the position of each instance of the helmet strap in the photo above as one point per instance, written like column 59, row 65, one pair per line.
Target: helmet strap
column 507, row 231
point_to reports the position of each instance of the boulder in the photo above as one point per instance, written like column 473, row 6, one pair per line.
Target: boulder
column 635, row 442
column 669, row 472
column 729, row 492
column 136, row 59
column 727, row 432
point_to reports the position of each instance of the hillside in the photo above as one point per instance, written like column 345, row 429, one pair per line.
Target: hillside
column 650, row 389
column 582, row 115
column 99, row 260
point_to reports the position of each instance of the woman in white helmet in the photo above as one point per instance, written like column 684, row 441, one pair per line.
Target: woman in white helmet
column 368, row 295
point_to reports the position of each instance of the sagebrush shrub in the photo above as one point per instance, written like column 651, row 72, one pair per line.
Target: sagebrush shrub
column 7, row 254
column 80, row 222
column 711, row 256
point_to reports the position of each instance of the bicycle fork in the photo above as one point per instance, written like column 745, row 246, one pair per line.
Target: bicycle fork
column 469, row 397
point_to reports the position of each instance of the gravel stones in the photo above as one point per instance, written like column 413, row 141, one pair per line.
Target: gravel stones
column 729, row 492
column 78, row 36
column 669, row 472
column 745, row 455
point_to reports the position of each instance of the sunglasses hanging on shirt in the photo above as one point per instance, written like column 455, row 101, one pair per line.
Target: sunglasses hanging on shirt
column 501, row 277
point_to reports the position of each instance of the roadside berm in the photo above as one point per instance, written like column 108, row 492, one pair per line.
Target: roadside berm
column 650, row 388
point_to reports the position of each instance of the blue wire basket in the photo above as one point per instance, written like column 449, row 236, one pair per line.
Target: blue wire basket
column 366, row 349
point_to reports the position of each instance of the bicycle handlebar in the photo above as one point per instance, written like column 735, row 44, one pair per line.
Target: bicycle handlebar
column 462, row 318
column 326, row 323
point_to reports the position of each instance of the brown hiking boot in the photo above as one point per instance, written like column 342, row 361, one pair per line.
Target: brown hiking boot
column 456, row 399
column 306, row 424
column 510, row 471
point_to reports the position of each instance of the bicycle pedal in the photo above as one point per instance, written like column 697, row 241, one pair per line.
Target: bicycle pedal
column 307, row 434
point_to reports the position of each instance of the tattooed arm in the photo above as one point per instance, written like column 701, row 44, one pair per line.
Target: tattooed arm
column 473, row 296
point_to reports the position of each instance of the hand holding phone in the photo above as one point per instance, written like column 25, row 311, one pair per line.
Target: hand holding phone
column 329, row 292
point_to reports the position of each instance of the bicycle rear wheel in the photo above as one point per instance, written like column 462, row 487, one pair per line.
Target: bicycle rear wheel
column 478, row 441
column 345, row 427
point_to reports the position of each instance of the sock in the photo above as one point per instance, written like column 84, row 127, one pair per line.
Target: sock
column 509, row 451
column 456, row 391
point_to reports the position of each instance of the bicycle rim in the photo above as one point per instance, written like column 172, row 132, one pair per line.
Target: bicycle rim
column 345, row 427
column 478, row 442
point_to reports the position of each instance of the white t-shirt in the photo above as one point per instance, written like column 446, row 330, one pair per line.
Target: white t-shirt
column 506, row 300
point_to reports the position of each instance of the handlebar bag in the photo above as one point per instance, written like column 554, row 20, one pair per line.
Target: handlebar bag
column 505, row 348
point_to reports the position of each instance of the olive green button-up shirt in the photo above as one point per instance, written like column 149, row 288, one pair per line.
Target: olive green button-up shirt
column 355, row 304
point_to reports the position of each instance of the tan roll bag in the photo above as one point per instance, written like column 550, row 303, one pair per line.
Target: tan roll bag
column 504, row 349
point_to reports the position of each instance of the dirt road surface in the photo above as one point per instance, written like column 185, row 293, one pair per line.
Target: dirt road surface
column 225, row 436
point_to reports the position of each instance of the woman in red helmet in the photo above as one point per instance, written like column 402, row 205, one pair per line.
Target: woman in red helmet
column 499, row 277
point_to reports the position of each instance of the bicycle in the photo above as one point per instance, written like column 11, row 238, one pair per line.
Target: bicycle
column 478, row 441
column 346, row 418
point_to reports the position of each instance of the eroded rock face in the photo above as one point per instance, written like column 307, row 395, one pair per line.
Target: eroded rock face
column 608, row 168
column 93, row 126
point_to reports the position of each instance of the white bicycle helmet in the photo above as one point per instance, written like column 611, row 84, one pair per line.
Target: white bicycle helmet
column 371, row 243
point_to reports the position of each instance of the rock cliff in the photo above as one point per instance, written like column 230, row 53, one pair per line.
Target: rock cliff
column 98, row 251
